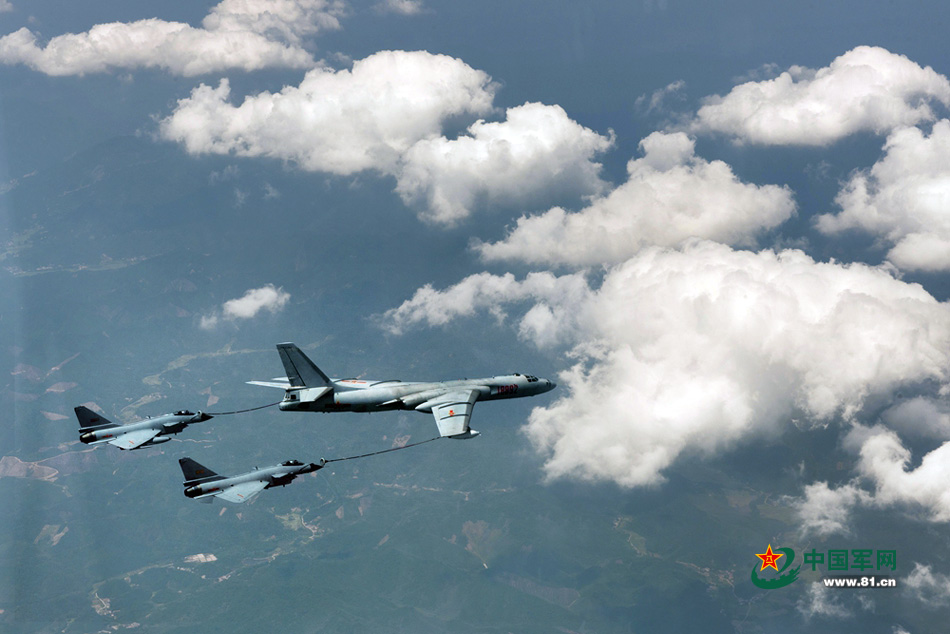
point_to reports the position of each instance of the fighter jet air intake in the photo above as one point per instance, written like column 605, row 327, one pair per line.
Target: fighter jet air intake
column 308, row 389
column 95, row 428
column 203, row 484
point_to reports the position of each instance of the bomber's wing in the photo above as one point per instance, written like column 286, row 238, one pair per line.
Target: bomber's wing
column 134, row 439
column 452, row 412
column 282, row 382
column 242, row 492
column 278, row 384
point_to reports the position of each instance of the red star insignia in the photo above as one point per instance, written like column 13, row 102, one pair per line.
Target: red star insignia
column 769, row 558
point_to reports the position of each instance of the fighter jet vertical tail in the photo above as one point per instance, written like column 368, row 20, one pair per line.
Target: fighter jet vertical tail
column 196, row 473
column 89, row 420
column 301, row 371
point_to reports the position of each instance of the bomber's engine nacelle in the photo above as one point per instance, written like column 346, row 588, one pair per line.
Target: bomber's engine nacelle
column 303, row 398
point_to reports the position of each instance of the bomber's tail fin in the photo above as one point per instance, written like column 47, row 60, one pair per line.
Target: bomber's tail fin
column 301, row 371
column 196, row 473
column 90, row 421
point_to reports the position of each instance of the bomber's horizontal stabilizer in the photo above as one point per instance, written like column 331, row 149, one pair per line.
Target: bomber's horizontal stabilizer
column 276, row 384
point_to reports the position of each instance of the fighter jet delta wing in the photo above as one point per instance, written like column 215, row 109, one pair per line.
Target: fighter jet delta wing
column 242, row 492
column 134, row 439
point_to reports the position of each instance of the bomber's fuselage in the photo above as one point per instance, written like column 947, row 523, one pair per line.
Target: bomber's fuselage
column 357, row 395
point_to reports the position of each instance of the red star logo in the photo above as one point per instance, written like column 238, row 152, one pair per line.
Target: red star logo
column 769, row 558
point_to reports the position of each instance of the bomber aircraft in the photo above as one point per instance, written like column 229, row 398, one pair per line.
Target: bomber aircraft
column 204, row 484
column 95, row 428
column 308, row 389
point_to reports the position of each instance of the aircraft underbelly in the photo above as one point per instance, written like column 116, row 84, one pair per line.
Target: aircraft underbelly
column 362, row 407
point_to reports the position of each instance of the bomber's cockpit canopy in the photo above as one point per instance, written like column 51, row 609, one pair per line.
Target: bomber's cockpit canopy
column 531, row 379
column 292, row 463
column 184, row 412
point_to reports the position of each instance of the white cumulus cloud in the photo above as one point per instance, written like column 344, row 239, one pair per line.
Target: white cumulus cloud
column 386, row 114
column 866, row 89
column 266, row 298
column 819, row 601
column 884, row 462
column 548, row 322
column 659, row 97
column 904, row 199
column 929, row 587
column 288, row 20
column 919, row 416
column 404, row 7
column 695, row 349
column 536, row 151
column 670, row 195
column 825, row 510
column 884, row 479
column 236, row 34
column 340, row 122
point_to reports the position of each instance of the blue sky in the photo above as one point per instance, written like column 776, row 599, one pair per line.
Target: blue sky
column 717, row 225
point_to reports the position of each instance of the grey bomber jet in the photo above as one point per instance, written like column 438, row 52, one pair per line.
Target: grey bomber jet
column 204, row 484
column 95, row 428
column 308, row 389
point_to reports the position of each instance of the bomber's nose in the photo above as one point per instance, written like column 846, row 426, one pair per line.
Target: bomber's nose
column 550, row 385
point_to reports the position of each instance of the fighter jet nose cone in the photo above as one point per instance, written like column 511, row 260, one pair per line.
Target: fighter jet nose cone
column 202, row 417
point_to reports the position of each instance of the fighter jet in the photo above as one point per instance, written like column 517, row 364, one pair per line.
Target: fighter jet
column 308, row 389
column 95, row 428
column 204, row 484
